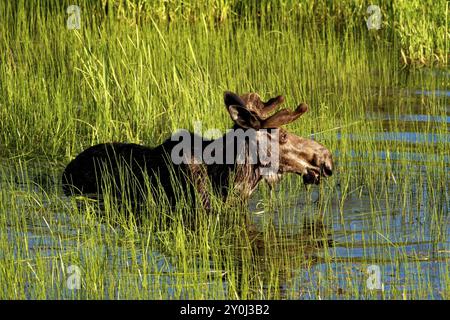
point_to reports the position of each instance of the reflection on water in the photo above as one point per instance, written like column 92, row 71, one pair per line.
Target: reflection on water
column 411, row 137
column 358, row 242
column 440, row 93
column 412, row 118
column 396, row 155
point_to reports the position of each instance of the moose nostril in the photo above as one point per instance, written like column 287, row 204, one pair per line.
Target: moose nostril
column 326, row 170
column 311, row 177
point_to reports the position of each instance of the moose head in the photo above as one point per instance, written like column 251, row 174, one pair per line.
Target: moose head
column 299, row 155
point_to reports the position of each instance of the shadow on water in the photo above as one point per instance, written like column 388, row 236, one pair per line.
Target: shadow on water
column 276, row 257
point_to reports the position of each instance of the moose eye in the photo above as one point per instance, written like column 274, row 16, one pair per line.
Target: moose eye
column 283, row 137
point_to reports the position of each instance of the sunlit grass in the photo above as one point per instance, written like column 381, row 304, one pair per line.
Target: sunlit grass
column 114, row 80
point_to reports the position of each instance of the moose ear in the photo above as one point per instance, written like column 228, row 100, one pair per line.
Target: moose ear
column 244, row 118
column 231, row 99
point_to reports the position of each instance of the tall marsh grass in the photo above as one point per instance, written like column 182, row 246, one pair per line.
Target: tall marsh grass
column 138, row 70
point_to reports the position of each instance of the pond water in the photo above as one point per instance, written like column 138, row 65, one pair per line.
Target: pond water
column 402, row 229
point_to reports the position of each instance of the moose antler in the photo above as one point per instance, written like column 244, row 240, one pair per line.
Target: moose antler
column 284, row 116
column 254, row 103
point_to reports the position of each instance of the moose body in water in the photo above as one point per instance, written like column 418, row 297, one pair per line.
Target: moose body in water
column 232, row 166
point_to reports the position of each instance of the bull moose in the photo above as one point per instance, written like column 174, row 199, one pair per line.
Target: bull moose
column 195, row 176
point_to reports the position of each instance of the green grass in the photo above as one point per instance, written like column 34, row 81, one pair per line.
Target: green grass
column 130, row 76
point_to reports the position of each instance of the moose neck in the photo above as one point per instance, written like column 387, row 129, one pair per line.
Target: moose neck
column 237, row 170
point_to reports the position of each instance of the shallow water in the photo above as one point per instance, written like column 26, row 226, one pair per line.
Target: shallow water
column 359, row 240
column 357, row 243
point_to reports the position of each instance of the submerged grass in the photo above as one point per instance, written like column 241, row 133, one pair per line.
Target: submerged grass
column 120, row 78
